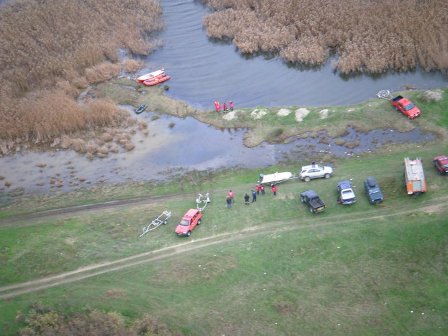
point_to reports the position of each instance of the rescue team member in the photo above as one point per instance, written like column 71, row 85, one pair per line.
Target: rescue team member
column 231, row 195
column 274, row 189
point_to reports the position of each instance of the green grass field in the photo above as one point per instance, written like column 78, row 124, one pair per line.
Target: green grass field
column 350, row 270
column 270, row 268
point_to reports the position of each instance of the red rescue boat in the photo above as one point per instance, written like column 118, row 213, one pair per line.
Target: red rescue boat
column 153, row 78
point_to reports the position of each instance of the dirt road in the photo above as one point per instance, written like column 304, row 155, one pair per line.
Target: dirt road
column 11, row 291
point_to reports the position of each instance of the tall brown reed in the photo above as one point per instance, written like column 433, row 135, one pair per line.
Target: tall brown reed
column 371, row 36
column 49, row 49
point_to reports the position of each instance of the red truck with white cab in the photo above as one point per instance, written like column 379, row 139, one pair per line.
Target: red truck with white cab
column 405, row 106
column 414, row 176
column 189, row 221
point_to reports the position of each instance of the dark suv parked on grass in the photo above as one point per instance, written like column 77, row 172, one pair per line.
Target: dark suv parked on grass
column 373, row 190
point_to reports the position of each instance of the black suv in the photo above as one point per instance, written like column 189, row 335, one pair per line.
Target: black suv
column 373, row 190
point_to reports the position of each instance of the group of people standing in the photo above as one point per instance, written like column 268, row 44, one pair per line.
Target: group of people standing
column 224, row 106
column 259, row 189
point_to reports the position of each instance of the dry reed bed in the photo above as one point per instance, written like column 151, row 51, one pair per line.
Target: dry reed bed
column 370, row 36
column 52, row 49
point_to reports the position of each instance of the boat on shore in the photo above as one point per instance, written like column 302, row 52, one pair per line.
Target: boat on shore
column 153, row 78
column 141, row 108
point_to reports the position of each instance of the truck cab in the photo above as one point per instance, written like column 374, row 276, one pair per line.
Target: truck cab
column 189, row 221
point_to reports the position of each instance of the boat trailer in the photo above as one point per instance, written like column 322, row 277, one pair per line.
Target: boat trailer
column 155, row 223
column 202, row 201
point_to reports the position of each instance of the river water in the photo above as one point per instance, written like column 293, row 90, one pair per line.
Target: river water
column 203, row 71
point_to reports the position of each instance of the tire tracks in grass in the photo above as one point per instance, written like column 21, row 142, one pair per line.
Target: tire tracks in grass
column 11, row 291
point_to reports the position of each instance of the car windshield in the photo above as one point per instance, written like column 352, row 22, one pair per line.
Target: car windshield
column 376, row 195
column 409, row 106
column 184, row 222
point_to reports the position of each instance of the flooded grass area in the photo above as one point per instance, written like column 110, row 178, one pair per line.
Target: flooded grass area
column 173, row 146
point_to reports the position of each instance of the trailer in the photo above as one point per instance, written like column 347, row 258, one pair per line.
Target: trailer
column 414, row 176
column 156, row 222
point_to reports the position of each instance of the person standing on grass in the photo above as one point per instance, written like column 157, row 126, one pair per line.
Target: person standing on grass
column 224, row 106
column 254, row 196
column 257, row 189
column 274, row 189
column 228, row 202
column 231, row 105
column 246, row 199
column 262, row 189
column 231, row 195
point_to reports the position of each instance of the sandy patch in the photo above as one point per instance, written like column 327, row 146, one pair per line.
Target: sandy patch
column 301, row 113
column 283, row 112
column 324, row 113
column 434, row 95
column 258, row 114
column 229, row 116
column 70, row 241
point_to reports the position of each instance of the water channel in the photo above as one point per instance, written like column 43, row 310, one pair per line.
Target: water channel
column 203, row 71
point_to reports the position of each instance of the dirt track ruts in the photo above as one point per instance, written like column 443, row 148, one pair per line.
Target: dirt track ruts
column 11, row 291
column 88, row 207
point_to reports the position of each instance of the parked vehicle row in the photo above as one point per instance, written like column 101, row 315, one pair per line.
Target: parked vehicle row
column 414, row 180
column 414, row 176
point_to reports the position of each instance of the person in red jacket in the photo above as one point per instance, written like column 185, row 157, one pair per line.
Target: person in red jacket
column 274, row 189
column 231, row 105
column 231, row 195
column 224, row 106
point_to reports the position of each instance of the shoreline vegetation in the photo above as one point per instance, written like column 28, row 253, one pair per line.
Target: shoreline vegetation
column 279, row 124
column 366, row 36
column 52, row 56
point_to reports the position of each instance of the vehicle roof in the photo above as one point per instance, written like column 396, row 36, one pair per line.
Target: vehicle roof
column 190, row 213
column 442, row 159
column 309, row 193
column 371, row 182
column 312, row 166
column 405, row 101
column 344, row 184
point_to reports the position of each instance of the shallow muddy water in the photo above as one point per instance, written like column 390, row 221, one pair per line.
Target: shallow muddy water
column 174, row 146
column 204, row 71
